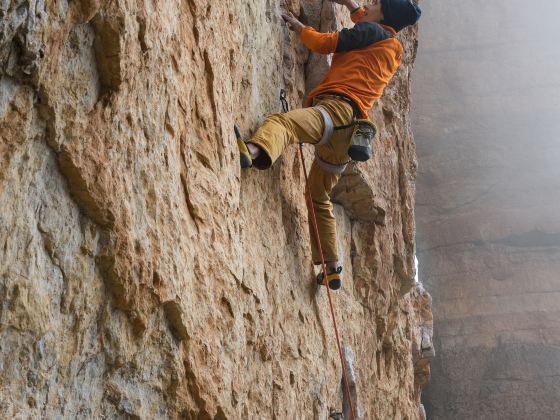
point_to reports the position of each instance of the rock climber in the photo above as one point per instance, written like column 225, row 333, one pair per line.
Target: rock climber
column 365, row 58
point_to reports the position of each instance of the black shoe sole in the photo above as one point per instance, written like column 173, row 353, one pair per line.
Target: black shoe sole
column 244, row 162
column 333, row 284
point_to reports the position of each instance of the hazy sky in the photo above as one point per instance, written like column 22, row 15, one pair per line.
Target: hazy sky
column 486, row 89
column 486, row 121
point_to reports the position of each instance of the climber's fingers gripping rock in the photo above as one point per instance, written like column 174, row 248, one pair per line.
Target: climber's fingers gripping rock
column 293, row 23
column 351, row 4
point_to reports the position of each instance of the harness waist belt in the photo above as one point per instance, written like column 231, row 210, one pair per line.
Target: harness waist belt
column 355, row 108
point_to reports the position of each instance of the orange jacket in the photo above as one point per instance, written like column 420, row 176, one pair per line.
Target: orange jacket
column 365, row 59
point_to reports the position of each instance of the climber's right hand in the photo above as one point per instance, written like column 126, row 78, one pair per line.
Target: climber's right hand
column 293, row 23
column 351, row 4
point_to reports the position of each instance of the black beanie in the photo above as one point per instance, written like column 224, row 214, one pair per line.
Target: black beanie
column 400, row 13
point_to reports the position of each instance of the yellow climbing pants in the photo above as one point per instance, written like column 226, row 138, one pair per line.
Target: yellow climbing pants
column 306, row 126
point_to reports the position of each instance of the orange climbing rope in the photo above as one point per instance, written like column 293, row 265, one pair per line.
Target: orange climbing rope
column 324, row 268
column 285, row 108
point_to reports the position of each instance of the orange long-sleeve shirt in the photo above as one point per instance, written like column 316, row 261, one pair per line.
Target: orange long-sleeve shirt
column 365, row 59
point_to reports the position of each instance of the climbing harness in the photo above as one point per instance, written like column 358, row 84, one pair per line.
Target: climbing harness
column 333, row 168
column 362, row 134
column 323, row 264
column 329, row 126
column 327, row 134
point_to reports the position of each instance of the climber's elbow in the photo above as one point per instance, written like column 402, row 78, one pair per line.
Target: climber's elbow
column 322, row 43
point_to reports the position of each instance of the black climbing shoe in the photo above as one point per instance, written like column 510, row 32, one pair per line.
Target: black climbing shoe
column 244, row 155
column 333, row 278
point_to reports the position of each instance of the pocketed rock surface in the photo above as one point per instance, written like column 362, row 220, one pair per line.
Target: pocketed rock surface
column 142, row 274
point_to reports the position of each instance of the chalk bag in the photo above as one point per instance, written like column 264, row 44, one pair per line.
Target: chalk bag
column 362, row 136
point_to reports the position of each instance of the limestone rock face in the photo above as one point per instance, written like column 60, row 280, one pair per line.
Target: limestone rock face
column 142, row 274
column 486, row 98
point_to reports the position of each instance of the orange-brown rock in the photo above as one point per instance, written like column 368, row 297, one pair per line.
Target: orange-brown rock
column 142, row 273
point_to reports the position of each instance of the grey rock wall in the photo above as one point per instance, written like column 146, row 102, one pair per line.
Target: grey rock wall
column 486, row 101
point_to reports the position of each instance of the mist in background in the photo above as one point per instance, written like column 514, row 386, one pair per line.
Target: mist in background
column 486, row 120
